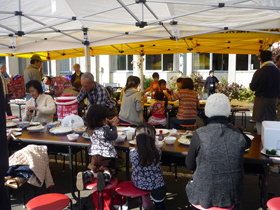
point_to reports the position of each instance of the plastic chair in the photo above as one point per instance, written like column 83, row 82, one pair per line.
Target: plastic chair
column 212, row 208
column 273, row 203
column 192, row 126
column 93, row 186
column 54, row 201
column 128, row 189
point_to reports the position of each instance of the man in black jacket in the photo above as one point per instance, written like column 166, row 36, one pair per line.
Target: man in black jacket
column 77, row 75
column 266, row 84
column 210, row 83
column 4, row 165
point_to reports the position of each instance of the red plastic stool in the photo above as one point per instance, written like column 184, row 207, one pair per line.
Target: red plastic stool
column 11, row 117
column 273, row 203
column 212, row 208
column 93, row 186
column 126, row 124
column 53, row 201
column 129, row 190
column 189, row 126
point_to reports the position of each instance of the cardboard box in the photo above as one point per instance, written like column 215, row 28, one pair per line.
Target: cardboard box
column 271, row 135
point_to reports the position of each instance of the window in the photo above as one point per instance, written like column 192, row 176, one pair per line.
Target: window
column 255, row 62
column 2, row 60
column 64, row 66
column 241, row 62
column 167, row 62
column 45, row 67
column 153, row 62
column 220, row 62
column 201, row 61
column 122, row 62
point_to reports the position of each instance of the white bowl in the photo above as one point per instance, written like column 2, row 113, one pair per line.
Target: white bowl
column 121, row 138
column 72, row 137
column 159, row 144
column 170, row 140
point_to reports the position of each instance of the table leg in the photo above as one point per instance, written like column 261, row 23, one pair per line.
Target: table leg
column 19, row 107
column 127, row 164
column 71, row 173
column 265, row 196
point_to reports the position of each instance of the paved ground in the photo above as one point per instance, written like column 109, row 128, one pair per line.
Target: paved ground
column 175, row 199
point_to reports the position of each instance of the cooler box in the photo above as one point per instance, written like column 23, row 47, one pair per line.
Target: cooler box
column 66, row 105
column 271, row 135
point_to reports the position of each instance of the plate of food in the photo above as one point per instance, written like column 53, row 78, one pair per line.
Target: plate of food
column 34, row 123
column 10, row 124
column 250, row 136
column 164, row 131
column 185, row 139
column 35, row 128
column 79, row 130
column 132, row 142
column 85, row 135
column 272, row 152
column 60, row 130
column 14, row 129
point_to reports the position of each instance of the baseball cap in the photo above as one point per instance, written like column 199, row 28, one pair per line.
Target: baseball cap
column 36, row 58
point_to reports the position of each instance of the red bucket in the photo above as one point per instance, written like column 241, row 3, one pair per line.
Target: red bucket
column 66, row 105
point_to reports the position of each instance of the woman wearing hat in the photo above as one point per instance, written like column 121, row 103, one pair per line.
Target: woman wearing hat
column 216, row 155
column 210, row 83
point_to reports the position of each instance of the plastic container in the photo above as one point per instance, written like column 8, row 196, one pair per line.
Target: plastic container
column 66, row 105
column 271, row 135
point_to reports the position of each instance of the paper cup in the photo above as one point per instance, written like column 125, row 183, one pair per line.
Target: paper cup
column 129, row 135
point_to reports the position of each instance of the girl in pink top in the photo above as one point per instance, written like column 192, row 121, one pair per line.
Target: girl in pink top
column 188, row 104
column 158, row 109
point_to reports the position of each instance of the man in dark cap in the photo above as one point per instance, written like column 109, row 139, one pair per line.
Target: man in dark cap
column 210, row 83
column 34, row 71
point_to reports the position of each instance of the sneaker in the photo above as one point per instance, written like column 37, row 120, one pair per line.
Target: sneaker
column 107, row 177
column 100, row 181
column 80, row 183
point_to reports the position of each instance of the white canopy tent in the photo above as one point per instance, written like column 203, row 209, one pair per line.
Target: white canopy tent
column 137, row 27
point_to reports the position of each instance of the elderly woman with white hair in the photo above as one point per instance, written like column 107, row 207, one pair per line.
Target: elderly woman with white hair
column 216, row 155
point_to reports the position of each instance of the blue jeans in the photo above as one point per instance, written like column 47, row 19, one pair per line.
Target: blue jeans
column 174, row 122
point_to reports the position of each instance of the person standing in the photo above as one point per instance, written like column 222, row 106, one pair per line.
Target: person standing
column 6, row 93
column 34, row 71
column 210, row 83
column 278, row 100
column 4, row 164
column 77, row 75
column 266, row 84
column 4, row 72
column 96, row 94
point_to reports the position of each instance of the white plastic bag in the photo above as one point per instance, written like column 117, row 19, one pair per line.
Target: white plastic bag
column 72, row 121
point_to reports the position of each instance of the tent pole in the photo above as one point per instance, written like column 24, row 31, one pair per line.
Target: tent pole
column 87, row 59
column 142, row 81
column 19, row 16
column 87, row 56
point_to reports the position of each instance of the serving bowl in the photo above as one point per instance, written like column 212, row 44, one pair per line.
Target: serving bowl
column 170, row 140
column 72, row 137
column 51, row 125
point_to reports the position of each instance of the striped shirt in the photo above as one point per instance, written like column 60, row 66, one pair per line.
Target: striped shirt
column 188, row 103
column 97, row 95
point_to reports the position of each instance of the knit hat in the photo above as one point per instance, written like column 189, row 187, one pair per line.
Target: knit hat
column 217, row 105
column 211, row 71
